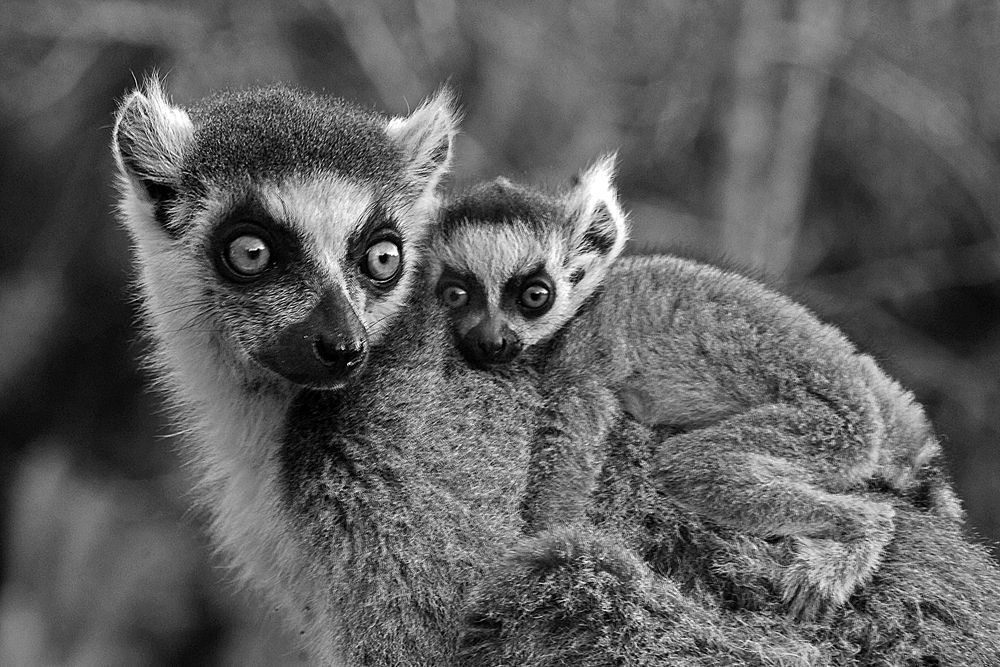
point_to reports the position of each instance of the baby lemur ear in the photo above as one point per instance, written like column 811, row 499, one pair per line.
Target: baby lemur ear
column 596, row 224
column 149, row 141
column 426, row 137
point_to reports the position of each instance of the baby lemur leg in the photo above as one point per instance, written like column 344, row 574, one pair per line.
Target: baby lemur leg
column 568, row 452
column 759, row 472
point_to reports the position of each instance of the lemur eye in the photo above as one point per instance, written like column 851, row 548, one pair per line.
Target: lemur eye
column 382, row 261
column 536, row 296
column 454, row 296
column 248, row 256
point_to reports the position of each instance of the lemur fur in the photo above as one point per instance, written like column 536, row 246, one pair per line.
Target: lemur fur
column 278, row 236
column 777, row 421
column 355, row 468
column 618, row 589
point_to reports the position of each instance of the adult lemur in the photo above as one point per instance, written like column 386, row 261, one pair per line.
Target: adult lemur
column 777, row 421
column 278, row 236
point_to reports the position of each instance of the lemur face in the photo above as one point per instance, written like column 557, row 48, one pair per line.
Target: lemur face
column 284, row 227
column 303, row 276
column 505, row 290
column 513, row 265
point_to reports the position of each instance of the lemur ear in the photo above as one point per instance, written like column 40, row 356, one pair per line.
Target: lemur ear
column 597, row 225
column 426, row 137
column 150, row 136
column 149, row 140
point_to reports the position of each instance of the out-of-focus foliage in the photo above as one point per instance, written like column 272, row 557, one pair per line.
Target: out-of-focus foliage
column 849, row 150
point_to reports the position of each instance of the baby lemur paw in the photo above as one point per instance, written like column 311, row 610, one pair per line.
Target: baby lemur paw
column 825, row 573
column 826, row 570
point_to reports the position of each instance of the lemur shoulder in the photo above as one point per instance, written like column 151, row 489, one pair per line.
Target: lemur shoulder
column 778, row 422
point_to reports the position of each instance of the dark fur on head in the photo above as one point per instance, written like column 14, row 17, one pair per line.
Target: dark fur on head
column 303, row 134
column 500, row 202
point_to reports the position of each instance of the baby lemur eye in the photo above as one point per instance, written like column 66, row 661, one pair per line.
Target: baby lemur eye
column 247, row 256
column 383, row 260
column 536, row 297
column 454, row 296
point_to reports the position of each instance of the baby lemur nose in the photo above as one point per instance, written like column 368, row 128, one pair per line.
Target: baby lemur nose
column 490, row 343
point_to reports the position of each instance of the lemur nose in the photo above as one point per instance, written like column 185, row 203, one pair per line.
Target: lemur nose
column 489, row 343
column 335, row 351
column 493, row 346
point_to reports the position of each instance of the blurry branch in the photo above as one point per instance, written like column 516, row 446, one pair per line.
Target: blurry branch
column 764, row 185
column 390, row 70
column 33, row 295
column 62, row 69
column 30, row 307
column 770, row 143
column 141, row 23
column 100, row 571
column 923, row 364
column 77, row 31
column 438, row 23
column 33, row 300
column 939, row 122
column 813, row 50
column 917, row 273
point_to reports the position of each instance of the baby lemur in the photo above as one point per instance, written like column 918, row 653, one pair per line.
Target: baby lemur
column 776, row 424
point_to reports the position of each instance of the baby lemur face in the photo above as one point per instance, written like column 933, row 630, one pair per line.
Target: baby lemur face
column 281, row 227
column 514, row 264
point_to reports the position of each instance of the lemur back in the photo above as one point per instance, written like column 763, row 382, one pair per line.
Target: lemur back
column 350, row 461
column 779, row 426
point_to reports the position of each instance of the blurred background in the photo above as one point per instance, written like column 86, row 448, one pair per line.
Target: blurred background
column 850, row 151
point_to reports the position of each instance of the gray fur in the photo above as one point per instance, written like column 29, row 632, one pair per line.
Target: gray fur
column 407, row 486
column 303, row 134
column 648, row 582
column 499, row 202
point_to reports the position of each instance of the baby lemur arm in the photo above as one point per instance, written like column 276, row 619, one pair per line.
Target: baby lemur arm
column 573, row 427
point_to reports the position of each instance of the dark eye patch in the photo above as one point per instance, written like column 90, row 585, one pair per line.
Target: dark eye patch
column 250, row 218
column 514, row 288
column 377, row 219
column 379, row 225
column 467, row 281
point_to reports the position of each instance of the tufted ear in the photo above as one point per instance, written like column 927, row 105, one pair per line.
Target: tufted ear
column 149, row 140
column 426, row 137
column 596, row 225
